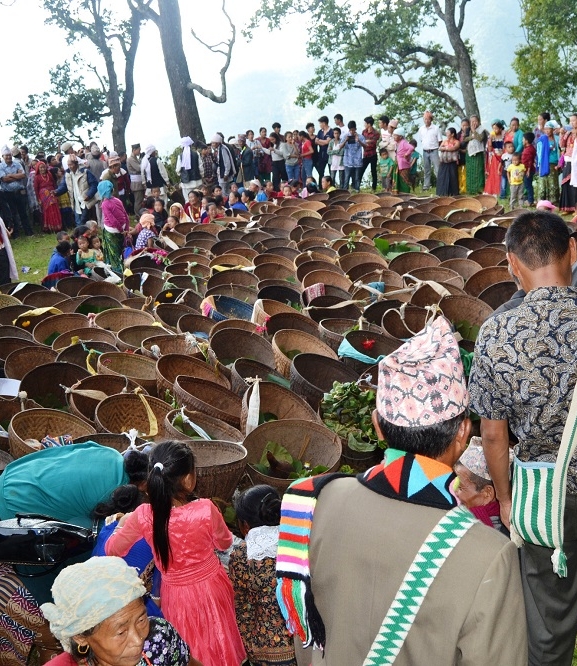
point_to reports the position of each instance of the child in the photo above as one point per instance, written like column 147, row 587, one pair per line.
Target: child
column 386, row 165
column 506, row 159
column 96, row 245
column 474, row 487
column 85, row 257
column 62, row 236
column 287, row 191
column 415, row 157
column 528, row 157
column 146, row 236
column 197, row 597
column 170, row 224
column 515, row 176
column 60, row 259
column 160, row 214
column 252, row 570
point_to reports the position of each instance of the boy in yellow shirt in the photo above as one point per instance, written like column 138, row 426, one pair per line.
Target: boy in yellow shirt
column 515, row 175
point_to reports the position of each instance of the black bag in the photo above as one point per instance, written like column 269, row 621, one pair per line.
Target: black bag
column 40, row 540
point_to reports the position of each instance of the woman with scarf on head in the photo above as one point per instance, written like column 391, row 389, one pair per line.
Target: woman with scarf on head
column 44, row 186
column 116, row 226
column 495, row 147
column 8, row 270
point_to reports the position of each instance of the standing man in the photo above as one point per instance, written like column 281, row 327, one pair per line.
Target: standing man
column 523, row 378
column 353, row 143
column 81, row 186
column 324, row 136
column 67, row 150
column 154, row 173
column 136, row 184
column 370, row 150
column 354, row 551
column 13, row 190
column 246, row 170
column 339, row 121
column 225, row 169
column 430, row 137
column 189, row 167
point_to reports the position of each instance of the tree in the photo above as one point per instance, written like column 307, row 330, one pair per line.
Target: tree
column 166, row 15
column 94, row 20
column 384, row 38
column 546, row 65
column 69, row 110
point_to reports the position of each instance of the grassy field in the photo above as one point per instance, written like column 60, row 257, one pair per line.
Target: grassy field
column 33, row 252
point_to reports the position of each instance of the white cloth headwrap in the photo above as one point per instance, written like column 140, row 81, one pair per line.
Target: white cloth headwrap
column 6, row 151
column 185, row 159
column 88, row 593
column 6, row 241
column 262, row 542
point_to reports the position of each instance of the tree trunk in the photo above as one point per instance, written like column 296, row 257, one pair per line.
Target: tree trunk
column 170, row 28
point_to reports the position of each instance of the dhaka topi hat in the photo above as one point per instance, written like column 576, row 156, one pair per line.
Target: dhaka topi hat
column 113, row 159
column 422, row 383
column 88, row 593
column 393, row 122
column 474, row 460
column 135, row 146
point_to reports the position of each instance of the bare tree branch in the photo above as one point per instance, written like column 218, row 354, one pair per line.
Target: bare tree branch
column 462, row 9
column 209, row 94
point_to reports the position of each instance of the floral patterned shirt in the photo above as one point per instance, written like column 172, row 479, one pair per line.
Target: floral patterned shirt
column 525, row 370
column 164, row 647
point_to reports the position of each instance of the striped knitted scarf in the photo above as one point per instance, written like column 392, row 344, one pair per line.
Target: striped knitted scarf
column 401, row 476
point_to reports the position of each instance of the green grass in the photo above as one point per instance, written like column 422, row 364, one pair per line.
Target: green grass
column 35, row 252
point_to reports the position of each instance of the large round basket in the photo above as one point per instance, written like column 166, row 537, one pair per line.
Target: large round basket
column 130, row 339
column 305, row 441
column 296, row 320
column 199, row 325
column 209, row 398
column 332, row 331
column 168, row 314
column 121, row 413
column 219, row 467
column 97, row 304
column 288, row 343
column 169, row 366
column 78, row 354
column 244, row 368
column 312, row 376
column 228, row 346
column 113, row 440
column 227, row 307
column 8, row 345
column 265, row 309
column 369, row 344
column 44, row 383
column 401, row 327
column 214, row 428
column 19, row 362
column 138, row 368
column 83, row 335
column 83, row 396
column 465, row 309
column 39, row 423
column 116, row 320
column 159, row 345
column 8, row 408
column 48, row 330
column 277, row 403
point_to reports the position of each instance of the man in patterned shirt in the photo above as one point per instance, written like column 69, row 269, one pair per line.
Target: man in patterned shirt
column 523, row 378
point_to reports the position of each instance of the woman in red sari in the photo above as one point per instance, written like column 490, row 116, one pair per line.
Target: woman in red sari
column 264, row 159
column 44, row 186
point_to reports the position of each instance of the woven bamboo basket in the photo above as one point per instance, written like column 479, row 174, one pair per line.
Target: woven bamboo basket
column 332, row 331
column 101, row 288
column 464, row 267
column 438, row 274
column 491, row 234
column 409, row 261
column 241, row 324
column 83, row 405
column 306, row 441
column 228, row 347
column 28, row 321
column 78, row 355
column 70, row 303
column 168, row 314
column 8, row 408
column 20, row 289
column 404, row 327
column 291, row 320
column 19, row 362
column 8, row 345
column 498, row 293
column 130, row 339
column 485, row 278
column 87, row 334
column 169, row 366
column 41, row 299
column 209, row 398
column 121, row 413
column 244, row 368
column 48, row 330
column 112, row 440
column 323, row 307
column 97, row 304
column 137, row 368
column 488, row 256
column 219, row 467
column 288, row 341
column 198, row 325
column 446, row 252
column 116, row 320
column 465, row 309
column 39, row 423
column 233, row 276
column 70, row 286
column 426, row 295
column 380, row 345
column 6, row 300
column 279, row 401
column 311, row 376
column 11, row 312
column 10, row 331
column 214, row 428
column 317, row 265
column 43, row 383
column 150, row 286
column 157, row 346
column 228, row 307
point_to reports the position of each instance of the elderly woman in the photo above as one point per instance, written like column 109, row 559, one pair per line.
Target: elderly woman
column 475, row 157
column 100, row 618
column 116, row 225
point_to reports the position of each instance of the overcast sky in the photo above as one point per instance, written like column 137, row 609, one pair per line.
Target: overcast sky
column 262, row 79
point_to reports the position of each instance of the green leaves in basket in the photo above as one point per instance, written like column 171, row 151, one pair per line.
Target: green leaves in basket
column 188, row 428
column 50, row 339
column 291, row 353
column 266, row 417
column 467, row 331
column 278, row 451
column 281, row 381
column 390, row 251
column 277, row 462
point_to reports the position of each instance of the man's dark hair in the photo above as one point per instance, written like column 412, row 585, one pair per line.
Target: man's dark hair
column 384, row 120
column 338, row 116
column 370, row 120
column 352, row 125
column 275, row 125
column 24, row 148
column 430, row 441
column 309, row 125
column 324, row 119
column 61, row 235
column 63, row 248
column 529, row 137
column 539, row 238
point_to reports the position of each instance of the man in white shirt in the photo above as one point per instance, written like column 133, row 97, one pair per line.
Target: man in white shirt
column 430, row 138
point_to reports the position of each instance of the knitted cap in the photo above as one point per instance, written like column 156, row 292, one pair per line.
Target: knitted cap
column 422, row 382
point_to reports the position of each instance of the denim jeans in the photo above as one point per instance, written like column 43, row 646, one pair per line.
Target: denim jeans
column 528, row 182
column 293, row 171
column 504, row 186
column 80, row 218
column 307, row 168
column 355, row 174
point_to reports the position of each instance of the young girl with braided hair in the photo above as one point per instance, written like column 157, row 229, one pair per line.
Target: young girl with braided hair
column 252, row 570
column 183, row 531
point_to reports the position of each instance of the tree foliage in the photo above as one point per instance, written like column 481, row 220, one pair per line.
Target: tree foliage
column 69, row 110
column 383, row 41
column 546, row 65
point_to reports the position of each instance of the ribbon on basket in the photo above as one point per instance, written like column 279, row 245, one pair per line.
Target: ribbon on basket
column 86, row 393
column 152, row 421
column 253, row 412
column 189, row 422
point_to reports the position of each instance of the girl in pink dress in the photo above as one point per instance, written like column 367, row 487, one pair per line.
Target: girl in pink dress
column 196, row 595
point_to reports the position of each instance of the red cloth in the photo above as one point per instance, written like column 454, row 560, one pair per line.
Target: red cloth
column 371, row 137
column 484, row 513
column 43, row 186
column 528, row 157
column 63, row 659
